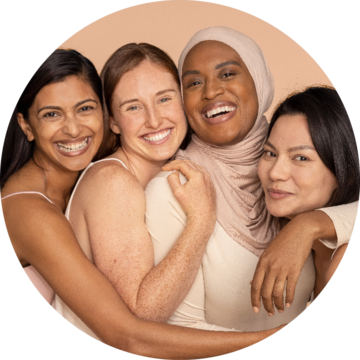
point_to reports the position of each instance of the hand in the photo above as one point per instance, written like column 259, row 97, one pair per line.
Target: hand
column 197, row 197
column 281, row 263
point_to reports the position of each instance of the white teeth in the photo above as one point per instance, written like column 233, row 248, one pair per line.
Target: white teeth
column 157, row 137
column 73, row 147
column 218, row 110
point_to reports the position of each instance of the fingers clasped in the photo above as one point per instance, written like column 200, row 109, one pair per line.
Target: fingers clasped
column 197, row 197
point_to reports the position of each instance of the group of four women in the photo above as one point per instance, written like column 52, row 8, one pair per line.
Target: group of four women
column 207, row 222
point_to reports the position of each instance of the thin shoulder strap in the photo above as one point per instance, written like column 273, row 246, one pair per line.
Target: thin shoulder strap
column 111, row 159
column 67, row 212
column 26, row 192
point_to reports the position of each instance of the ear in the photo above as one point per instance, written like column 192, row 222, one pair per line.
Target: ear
column 113, row 126
column 25, row 127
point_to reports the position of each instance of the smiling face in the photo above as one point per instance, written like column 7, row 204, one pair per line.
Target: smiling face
column 66, row 123
column 148, row 113
column 219, row 94
column 294, row 178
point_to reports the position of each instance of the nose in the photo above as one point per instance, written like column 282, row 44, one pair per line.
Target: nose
column 280, row 170
column 212, row 89
column 72, row 126
column 153, row 118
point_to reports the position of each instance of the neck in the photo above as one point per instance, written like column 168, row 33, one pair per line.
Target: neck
column 58, row 182
column 144, row 170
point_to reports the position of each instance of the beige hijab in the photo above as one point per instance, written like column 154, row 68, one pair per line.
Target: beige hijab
column 241, row 209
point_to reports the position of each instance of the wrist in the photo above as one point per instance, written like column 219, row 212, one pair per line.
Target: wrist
column 317, row 224
column 203, row 223
column 310, row 224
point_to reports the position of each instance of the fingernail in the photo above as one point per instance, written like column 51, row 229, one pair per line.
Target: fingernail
column 287, row 305
column 270, row 314
column 256, row 310
column 280, row 311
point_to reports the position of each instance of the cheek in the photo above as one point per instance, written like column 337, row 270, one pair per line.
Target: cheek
column 263, row 170
column 317, row 186
column 190, row 105
column 46, row 133
column 128, row 124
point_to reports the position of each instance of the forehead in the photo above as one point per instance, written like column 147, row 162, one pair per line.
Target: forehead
column 146, row 74
column 290, row 130
column 211, row 51
column 70, row 89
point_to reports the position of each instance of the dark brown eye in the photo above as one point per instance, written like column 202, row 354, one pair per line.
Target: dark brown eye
column 50, row 114
column 194, row 83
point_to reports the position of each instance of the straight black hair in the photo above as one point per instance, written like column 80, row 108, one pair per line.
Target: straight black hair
column 17, row 150
column 332, row 135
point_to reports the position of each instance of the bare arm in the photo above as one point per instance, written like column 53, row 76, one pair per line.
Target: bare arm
column 122, row 247
column 282, row 261
column 47, row 241
column 326, row 262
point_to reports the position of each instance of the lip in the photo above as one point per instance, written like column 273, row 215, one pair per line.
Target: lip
column 75, row 141
column 278, row 194
column 218, row 119
column 159, row 142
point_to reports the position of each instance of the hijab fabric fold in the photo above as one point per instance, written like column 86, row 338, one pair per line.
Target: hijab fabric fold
column 240, row 203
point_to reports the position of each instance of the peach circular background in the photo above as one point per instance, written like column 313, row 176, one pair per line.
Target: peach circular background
column 162, row 24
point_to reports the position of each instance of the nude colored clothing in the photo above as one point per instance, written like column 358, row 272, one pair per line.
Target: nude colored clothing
column 220, row 296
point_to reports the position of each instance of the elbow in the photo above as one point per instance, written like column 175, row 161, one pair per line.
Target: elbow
column 126, row 338
column 145, row 309
column 150, row 314
column 136, row 340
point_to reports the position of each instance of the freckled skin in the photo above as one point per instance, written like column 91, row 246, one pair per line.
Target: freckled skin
column 111, row 220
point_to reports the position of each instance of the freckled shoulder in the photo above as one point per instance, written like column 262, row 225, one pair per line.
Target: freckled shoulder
column 110, row 180
column 110, row 172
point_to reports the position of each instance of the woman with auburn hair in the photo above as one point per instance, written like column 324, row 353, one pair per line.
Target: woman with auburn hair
column 55, row 131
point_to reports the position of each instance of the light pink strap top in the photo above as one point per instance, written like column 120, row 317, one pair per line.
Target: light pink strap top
column 39, row 282
column 26, row 192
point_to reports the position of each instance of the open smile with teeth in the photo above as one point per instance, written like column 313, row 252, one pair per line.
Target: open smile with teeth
column 157, row 137
column 73, row 147
column 221, row 110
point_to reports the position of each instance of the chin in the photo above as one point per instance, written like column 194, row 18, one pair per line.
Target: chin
column 77, row 165
column 279, row 211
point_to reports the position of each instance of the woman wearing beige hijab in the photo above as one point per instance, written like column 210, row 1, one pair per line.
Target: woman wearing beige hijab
column 227, row 87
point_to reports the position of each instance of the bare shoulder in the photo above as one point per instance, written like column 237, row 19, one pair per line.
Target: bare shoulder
column 109, row 183
column 32, row 222
column 109, row 174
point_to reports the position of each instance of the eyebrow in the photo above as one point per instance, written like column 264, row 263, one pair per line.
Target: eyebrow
column 157, row 94
column 227, row 63
column 164, row 91
column 301, row 147
column 53, row 107
column 190, row 72
column 295, row 148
